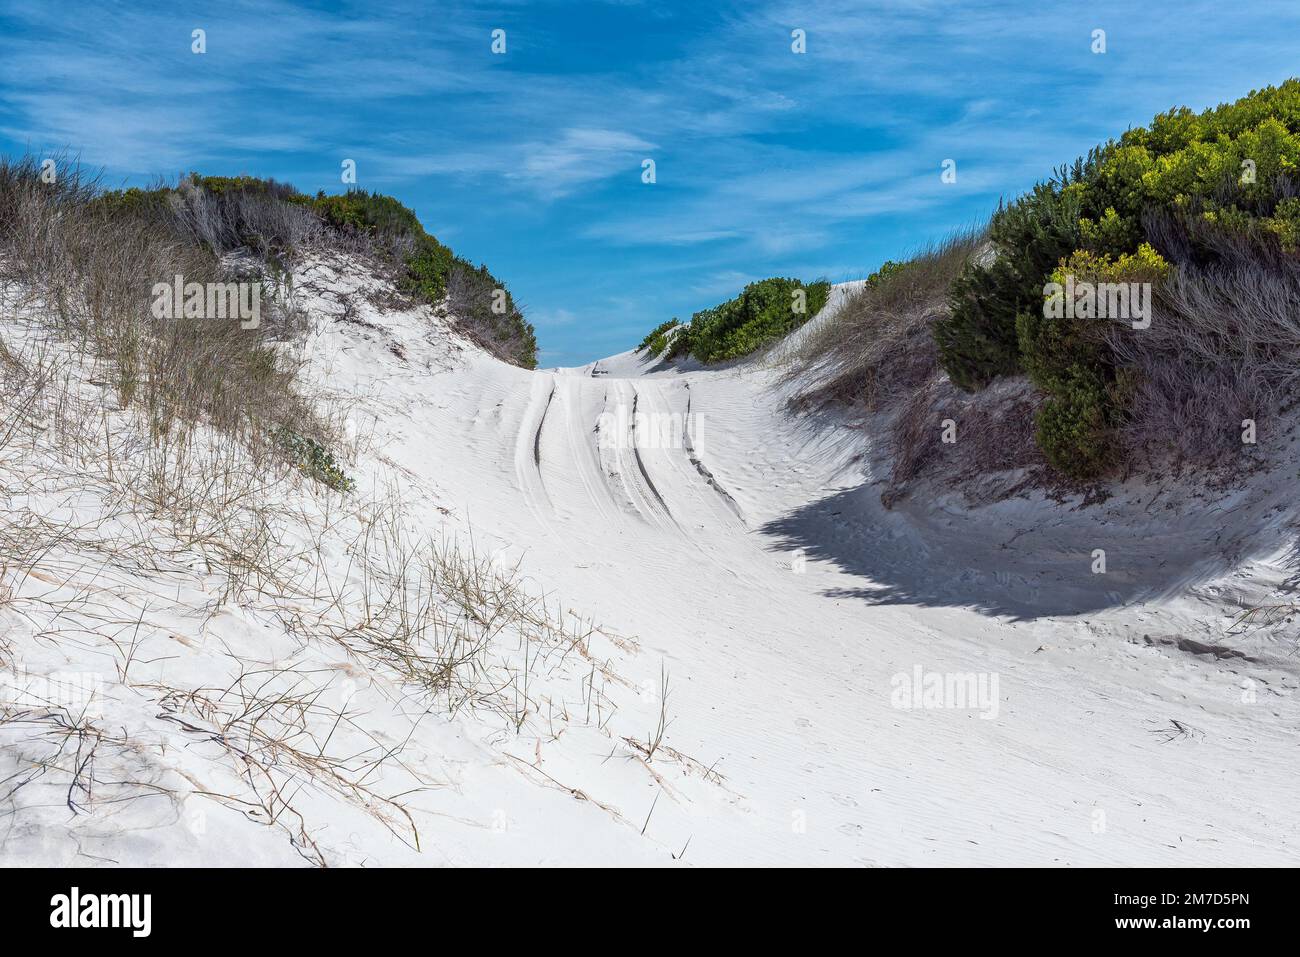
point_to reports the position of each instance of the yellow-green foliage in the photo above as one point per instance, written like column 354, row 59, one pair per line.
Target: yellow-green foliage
column 1237, row 165
column 1224, row 163
column 1143, row 265
column 1067, row 357
column 888, row 268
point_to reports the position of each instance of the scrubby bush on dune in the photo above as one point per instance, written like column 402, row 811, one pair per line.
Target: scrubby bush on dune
column 92, row 261
column 679, row 346
column 1191, row 227
column 1070, row 358
column 659, row 338
column 477, row 299
column 276, row 222
column 879, row 348
column 763, row 312
column 977, row 339
column 395, row 232
column 1222, row 188
column 887, row 269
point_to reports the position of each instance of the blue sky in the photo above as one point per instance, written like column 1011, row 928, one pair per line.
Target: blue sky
column 768, row 162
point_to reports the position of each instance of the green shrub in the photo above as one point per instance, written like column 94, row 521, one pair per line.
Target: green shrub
column 1053, row 345
column 1285, row 224
column 1068, row 358
column 888, row 268
column 131, row 202
column 977, row 339
column 1235, row 165
column 428, row 262
column 221, row 185
column 763, row 312
column 1075, row 426
column 359, row 209
column 658, row 339
column 680, row 344
column 312, row 459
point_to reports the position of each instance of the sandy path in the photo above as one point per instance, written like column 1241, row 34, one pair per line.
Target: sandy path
column 784, row 678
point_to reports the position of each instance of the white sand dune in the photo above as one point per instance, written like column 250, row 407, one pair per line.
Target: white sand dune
column 746, row 553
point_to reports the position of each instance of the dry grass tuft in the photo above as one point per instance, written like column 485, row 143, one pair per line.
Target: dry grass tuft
column 1223, row 345
column 88, row 269
column 878, row 349
column 878, row 355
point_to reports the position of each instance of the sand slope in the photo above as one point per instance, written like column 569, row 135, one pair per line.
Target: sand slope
column 745, row 553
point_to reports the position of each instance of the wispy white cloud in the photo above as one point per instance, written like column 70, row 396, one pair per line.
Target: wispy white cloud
column 723, row 284
column 576, row 157
column 768, row 161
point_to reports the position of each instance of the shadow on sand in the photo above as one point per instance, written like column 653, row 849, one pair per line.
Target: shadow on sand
column 1026, row 558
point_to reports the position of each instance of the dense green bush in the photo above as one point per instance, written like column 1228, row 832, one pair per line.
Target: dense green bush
column 220, row 185
column 1069, row 359
column 680, row 344
column 375, row 212
column 382, row 218
column 1234, row 166
column 1075, row 423
column 658, row 339
column 763, row 312
column 1052, row 345
column 131, row 202
column 977, row 339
